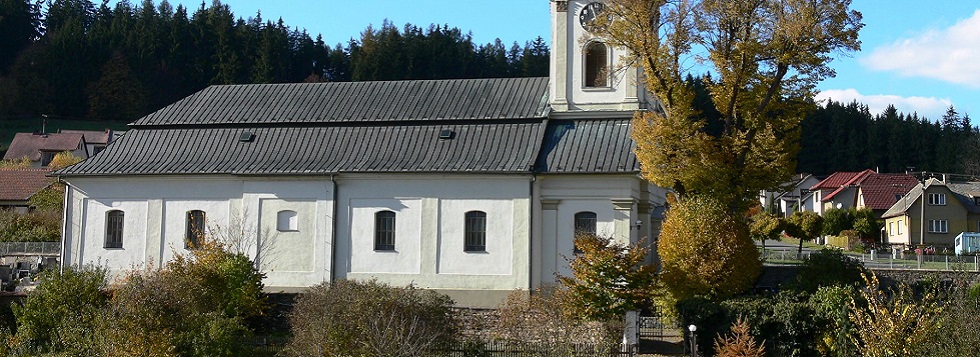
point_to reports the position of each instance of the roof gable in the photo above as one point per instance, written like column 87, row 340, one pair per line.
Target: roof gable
column 348, row 102
column 31, row 145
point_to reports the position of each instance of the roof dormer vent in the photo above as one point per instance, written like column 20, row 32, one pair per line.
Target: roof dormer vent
column 447, row 134
column 246, row 137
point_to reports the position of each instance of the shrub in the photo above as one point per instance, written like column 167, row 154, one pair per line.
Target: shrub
column 706, row 251
column 827, row 267
column 959, row 322
column 195, row 306
column 895, row 323
column 350, row 318
column 608, row 278
column 831, row 303
column 739, row 343
column 62, row 310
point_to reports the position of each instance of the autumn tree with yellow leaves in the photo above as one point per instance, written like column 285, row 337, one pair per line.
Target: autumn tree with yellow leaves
column 764, row 57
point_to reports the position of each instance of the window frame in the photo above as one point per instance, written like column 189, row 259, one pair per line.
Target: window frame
column 194, row 228
column 584, row 222
column 594, row 77
column 114, row 228
column 475, row 232
column 938, row 226
column 900, row 224
column 937, row 199
column 385, row 224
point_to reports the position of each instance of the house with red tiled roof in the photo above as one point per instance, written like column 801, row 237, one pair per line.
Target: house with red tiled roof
column 17, row 185
column 41, row 148
column 879, row 192
column 837, row 191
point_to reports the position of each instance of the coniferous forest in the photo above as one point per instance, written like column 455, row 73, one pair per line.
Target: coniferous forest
column 78, row 59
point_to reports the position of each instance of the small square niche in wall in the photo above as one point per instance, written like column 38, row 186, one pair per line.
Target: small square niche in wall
column 246, row 137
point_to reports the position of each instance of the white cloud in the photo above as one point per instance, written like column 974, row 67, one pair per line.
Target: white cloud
column 930, row 107
column 951, row 54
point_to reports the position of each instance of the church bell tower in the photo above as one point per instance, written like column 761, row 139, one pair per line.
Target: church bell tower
column 588, row 75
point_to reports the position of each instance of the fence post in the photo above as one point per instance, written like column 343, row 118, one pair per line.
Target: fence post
column 947, row 262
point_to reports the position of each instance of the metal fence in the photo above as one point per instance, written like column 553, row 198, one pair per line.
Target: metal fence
column 885, row 260
column 503, row 349
column 30, row 248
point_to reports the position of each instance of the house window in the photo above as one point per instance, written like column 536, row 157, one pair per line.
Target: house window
column 287, row 221
column 938, row 226
column 475, row 232
column 900, row 224
column 891, row 228
column 596, row 65
column 114, row 229
column 384, row 230
column 195, row 228
column 937, row 199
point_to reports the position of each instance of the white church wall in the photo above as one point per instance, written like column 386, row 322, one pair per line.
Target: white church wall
column 241, row 212
column 406, row 257
column 430, row 211
column 613, row 198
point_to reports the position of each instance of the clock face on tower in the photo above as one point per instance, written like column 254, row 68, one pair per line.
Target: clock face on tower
column 589, row 13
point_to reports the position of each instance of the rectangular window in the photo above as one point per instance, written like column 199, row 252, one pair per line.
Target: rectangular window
column 891, row 228
column 938, row 226
column 195, row 224
column 114, row 229
column 900, row 224
column 384, row 230
column 937, row 199
column 475, row 232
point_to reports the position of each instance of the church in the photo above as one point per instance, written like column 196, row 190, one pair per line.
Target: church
column 471, row 187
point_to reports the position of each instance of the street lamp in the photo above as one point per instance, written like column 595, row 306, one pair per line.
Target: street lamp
column 694, row 340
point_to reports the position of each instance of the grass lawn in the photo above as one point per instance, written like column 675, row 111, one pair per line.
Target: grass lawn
column 10, row 127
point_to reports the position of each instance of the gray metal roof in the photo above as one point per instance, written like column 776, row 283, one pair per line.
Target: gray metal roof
column 296, row 103
column 476, row 147
column 588, row 146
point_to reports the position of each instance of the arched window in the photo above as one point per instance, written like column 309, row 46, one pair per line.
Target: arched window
column 195, row 223
column 384, row 230
column 114, row 229
column 585, row 222
column 475, row 232
column 596, row 65
column 287, row 221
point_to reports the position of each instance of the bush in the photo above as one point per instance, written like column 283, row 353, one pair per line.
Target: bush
column 608, row 278
column 706, row 251
column 195, row 306
column 739, row 343
column 350, row 318
column 827, row 267
column 62, row 310
column 543, row 318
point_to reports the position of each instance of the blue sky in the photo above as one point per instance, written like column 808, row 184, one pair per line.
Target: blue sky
column 921, row 57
